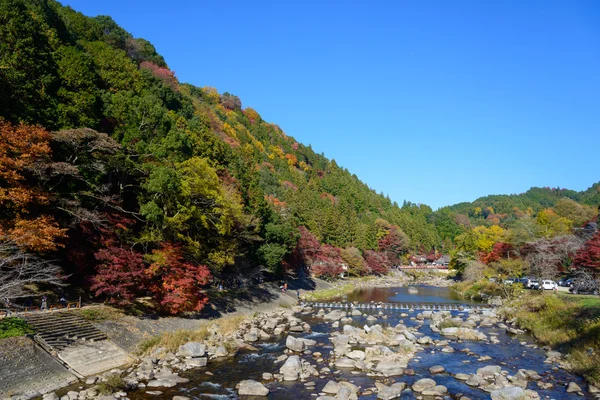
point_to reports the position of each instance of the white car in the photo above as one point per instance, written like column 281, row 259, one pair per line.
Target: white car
column 549, row 285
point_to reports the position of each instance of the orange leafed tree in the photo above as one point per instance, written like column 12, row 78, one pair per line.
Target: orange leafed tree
column 23, row 151
column 21, row 148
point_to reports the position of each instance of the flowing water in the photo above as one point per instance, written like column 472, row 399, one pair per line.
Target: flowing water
column 512, row 353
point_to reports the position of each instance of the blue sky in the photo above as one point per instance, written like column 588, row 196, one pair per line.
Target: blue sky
column 435, row 102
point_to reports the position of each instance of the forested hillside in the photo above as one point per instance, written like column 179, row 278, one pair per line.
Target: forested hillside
column 130, row 182
column 133, row 182
column 506, row 210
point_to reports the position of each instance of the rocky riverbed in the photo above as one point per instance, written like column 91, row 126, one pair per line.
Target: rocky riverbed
column 325, row 354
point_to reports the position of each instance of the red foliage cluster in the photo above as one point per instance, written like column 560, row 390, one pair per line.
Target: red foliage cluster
column 327, row 262
column 322, row 260
column 120, row 274
column 164, row 74
column 328, row 196
column 394, row 244
column 289, row 185
column 276, row 202
column 499, row 251
column 295, row 145
column 377, row 263
column 589, row 255
column 175, row 283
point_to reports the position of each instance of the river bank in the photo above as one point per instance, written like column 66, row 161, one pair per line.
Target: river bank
column 564, row 322
column 303, row 353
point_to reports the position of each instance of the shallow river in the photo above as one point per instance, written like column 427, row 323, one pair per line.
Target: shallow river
column 512, row 353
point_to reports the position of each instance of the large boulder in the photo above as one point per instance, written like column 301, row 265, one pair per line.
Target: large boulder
column 489, row 371
column 294, row 344
column 252, row 388
column 463, row 333
column 356, row 355
column 391, row 392
column 192, row 349
column 331, row 387
column 423, row 384
column 291, row 369
column 514, row 393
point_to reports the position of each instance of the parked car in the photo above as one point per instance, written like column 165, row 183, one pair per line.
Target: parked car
column 585, row 287
column 565, row 282
column 532, row 284
column 549, row 285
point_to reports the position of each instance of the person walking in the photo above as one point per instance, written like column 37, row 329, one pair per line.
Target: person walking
column 44, row 303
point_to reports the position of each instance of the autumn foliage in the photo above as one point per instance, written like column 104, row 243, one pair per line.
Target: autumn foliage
column 120, row 275
column 589, row 255
column 175, row 283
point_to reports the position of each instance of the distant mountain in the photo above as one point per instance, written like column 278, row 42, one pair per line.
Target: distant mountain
column 503, row 209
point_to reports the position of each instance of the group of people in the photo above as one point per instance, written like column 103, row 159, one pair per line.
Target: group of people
column 10, row 306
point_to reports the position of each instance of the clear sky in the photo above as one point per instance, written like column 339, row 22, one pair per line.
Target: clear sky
column 435, row 102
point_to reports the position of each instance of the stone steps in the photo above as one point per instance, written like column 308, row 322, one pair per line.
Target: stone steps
column 57, row 330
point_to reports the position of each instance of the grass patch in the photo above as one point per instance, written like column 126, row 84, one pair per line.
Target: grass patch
column 100, row 313
column 170, row 341
column 11, row 327
column 112, row 383
column 570, row 324
column 478, row 290
column 328, row 294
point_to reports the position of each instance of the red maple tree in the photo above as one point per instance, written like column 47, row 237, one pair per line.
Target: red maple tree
column 589, row 255
column 177, row 285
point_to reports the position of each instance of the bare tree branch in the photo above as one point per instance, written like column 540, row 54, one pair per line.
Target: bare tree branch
column 19, row 269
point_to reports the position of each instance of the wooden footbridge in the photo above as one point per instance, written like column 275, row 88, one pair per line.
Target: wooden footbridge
column 398, row 306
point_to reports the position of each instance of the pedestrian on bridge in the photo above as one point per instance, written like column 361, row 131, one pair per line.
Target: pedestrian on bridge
column 44, row 303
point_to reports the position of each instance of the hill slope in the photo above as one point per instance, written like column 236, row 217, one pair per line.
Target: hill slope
column 137, row 182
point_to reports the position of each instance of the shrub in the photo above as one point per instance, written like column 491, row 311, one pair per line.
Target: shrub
column 112, row 383
column 10, row 327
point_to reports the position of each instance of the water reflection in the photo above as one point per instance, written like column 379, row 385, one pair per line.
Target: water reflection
column 425, row 294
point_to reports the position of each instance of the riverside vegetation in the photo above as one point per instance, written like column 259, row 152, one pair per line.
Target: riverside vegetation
column 568, row 323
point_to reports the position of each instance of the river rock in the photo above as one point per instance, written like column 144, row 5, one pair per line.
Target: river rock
column 344, row 363
column 331, row 387
column 438, row 390
column 573, row 388
column 334, row 315
column 291, row 369
column 191, row 349
column 475, row 380
column 423, row 384
column 513, row 393
column 390, row 392
column 294, row 344
column 196, row 362
column 51, row 396
column 489, row 371
column 267, row 376
column 356, row 355
column 463, row 333
column 356, row 313
column 252, row 388
column 389, row 368
column 437, row 369
column 181, row 398
column 424, row 340
column 461, row 376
